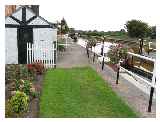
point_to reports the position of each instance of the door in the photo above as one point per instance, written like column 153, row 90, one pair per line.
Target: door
column 24, row 35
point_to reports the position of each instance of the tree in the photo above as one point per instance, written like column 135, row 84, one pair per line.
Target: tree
column 64, row 26
column 137, row 29
column 152, row 33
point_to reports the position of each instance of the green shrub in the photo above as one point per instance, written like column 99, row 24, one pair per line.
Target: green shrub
column 18, row 103
column 35, row 94
column 17, row 85
column 16, row 72
column 117, row 53
column 23, row 85
column 61, row 47
column 26, row 88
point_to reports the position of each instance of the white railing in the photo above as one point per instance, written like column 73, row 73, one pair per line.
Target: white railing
column 42, row 52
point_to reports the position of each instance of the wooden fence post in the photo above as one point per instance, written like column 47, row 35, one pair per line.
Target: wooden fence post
column 152, row 88
column 87, row 52
column 150, row 99
column 102, row 53
column 94, row 56
column 102, row 48
column 103, row 63
column 118, row 73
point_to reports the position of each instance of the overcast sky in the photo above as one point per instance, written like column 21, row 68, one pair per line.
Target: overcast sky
column 102, row 15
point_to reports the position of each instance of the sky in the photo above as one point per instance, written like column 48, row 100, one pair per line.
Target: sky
column 101, row 15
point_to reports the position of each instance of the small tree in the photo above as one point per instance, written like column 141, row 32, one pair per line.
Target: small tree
column 152, row 33
column 137, row 29
column 64, row 26
column 117, row 53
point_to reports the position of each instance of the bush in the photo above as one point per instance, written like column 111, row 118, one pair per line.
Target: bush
column 30, row 68
column 35, row 94
column 36, row 67
column 17, row 85
column 18, row 103
column 117, row 53
column 15, row 72
column 26, row 88
column 61, row 48
column 23, row 85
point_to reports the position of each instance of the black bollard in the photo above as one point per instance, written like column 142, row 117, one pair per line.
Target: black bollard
column 94, row 56
column 103, row 63
column 150, row 99
column 117, row 75
column 102, row 53
column 87, row 52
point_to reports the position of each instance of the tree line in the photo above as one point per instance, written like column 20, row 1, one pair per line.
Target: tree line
column 132, row 28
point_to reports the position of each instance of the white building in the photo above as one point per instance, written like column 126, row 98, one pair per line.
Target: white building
column 25, row 26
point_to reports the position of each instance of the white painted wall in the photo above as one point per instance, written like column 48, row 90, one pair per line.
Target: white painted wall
column 10, row 21
column 18, row 14
column 38, row 21
column 11, row 46
column 29, row 14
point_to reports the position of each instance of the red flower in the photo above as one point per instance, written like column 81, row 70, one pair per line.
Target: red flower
column 29, row 66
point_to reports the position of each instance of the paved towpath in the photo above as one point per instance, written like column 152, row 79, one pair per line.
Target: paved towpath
column 75, row 56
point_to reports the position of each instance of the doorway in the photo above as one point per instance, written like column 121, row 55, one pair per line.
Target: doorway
column 24, row 35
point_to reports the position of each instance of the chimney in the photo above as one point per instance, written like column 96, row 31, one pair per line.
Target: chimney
column 9, row 9
column 35, row 9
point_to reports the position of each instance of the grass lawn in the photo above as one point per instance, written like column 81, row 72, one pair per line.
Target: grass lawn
column 79, row 92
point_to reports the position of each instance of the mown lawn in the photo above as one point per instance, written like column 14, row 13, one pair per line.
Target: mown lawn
column 79, row 92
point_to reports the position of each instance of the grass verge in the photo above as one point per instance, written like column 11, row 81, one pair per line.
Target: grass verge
column 80, row 92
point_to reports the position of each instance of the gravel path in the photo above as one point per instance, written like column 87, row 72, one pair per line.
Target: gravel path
column 75, row 56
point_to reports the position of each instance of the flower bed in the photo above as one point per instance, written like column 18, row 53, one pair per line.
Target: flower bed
column 22, row 89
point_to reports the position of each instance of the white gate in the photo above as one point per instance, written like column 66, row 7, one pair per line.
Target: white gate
column 44, row 52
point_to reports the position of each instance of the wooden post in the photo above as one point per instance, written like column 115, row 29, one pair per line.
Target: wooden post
column 94, row 55
column 152, row 88
column 102, row 53
column 103, row 63
column 118, row 74
column 141, row 47
column 149, row 47
column 87, row 52
column 132, row 61
column 150, row 99
column 148, row 51
column 102, row 48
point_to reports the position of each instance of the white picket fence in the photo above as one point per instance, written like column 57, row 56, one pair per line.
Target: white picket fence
column 42, row 52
